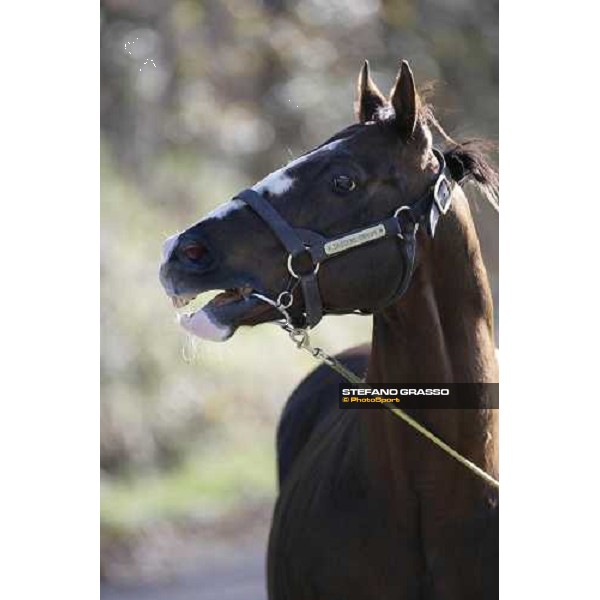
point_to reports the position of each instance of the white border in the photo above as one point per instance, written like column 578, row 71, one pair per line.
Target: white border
column 49, row 316
column 549, row 282
column 49, row 384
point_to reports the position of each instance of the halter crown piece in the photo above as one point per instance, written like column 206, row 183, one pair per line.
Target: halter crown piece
column 307, row 249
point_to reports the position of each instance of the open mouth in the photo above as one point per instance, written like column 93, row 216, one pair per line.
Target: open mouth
column 219, row 318
column 225, row 297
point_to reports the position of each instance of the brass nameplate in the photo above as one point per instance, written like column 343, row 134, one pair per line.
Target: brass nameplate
column 354, row 239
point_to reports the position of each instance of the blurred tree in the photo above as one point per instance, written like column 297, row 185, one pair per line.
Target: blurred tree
column 200, row 98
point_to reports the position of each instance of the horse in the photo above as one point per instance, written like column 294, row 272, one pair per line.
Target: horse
column 310, row 403
column 373, row 219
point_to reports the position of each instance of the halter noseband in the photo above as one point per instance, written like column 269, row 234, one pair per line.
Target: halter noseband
column 307, row 249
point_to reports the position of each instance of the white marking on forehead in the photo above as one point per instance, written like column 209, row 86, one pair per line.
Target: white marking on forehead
column 224, row 209
column 169, row 246
column 275, row 183
column 280, row 181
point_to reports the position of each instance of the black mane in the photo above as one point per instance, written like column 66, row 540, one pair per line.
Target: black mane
column 467, row 160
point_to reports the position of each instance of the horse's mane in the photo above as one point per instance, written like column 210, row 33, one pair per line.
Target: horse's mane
column 467, row 160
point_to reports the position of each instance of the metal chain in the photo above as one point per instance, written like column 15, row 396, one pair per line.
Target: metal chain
column 301, row 339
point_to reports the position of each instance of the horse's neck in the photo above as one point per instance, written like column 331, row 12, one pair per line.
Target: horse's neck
column 441, row 331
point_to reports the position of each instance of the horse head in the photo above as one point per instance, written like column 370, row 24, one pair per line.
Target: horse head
column 343, row 200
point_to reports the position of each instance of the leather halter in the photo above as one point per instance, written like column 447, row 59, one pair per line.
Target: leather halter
column 307, row 249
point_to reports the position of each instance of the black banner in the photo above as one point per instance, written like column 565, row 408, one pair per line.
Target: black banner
column 410, row 395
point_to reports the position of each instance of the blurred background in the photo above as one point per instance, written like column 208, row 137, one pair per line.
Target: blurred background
column 200, row 99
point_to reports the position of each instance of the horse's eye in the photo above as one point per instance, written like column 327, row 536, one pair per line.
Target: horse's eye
column 194, row 251
column 343, row 184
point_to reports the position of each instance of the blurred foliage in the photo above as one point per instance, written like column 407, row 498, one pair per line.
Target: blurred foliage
column 198, row 100
column 203, row 485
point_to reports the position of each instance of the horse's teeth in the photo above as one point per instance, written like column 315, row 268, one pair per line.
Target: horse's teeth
column 179, row 302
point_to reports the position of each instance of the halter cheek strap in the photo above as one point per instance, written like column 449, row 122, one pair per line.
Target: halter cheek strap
column 307, row 249
column 297, row 251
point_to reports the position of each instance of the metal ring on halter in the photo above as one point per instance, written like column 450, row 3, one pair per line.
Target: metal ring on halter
column 401, row 209
column 291, row 269
column 289, row 299
column 275, row 305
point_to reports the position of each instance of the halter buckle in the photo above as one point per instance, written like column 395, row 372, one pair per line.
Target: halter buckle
column 442, row 194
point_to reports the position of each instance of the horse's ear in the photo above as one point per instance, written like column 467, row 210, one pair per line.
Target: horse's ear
column 369, row 98
column 404, row 100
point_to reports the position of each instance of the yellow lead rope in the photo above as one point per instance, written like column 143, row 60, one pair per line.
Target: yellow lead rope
column 302, row 341
column 441, row 444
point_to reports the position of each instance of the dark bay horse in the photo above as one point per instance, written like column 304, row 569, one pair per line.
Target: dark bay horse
column 367, row 508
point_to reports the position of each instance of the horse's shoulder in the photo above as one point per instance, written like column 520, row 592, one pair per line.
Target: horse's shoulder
column 307, row 408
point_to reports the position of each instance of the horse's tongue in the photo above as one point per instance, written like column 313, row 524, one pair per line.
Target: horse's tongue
column 227, row 296
column 201, row 325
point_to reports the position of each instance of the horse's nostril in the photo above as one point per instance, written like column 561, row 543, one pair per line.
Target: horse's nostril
column 194, row 251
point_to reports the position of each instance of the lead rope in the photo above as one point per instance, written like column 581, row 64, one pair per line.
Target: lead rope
column 301, row 340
